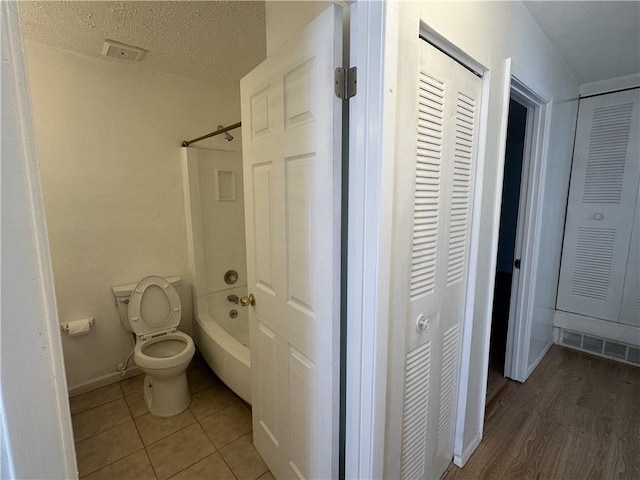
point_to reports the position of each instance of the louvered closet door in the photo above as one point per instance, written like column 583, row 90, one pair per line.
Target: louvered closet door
column 447, row 122
column 602, row 195
column 630, row 311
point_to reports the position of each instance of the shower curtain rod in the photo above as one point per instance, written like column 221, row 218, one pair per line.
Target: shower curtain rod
column 186, row 143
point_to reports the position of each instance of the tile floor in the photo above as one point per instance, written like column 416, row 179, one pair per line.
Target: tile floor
column 117, row 438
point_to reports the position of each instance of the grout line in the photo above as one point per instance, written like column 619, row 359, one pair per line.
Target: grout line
column 153, row 469
column 123, row 396
column 144, row 447
column 76, row 442
column 95, row 406
column 111, row 463
column 99, row 406
column 224, row 460
column 173, row 433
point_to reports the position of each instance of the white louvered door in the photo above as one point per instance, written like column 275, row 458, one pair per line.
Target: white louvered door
column 602, row 196
column 291, row 145
column 630, row 310
column 447, row 124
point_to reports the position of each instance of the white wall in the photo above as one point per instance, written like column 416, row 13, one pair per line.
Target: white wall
column 216, row 239
column 491, row 32
column 222, row 220
column 109, row 137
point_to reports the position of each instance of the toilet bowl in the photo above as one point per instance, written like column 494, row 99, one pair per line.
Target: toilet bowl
column 162, row 352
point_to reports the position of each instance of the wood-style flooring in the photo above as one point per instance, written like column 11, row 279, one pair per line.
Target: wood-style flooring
column 576, row 418
column 496, row 381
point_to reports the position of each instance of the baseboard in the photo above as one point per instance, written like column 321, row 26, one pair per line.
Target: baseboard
column 461, row 460
column 599, row 346
column 102, row 381
column 535, row 364
column 619, row 332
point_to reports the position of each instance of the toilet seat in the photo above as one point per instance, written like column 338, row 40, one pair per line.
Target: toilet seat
column 144, row 359
column 160, row 320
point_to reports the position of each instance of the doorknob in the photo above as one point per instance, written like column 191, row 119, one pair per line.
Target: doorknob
column 248, row 300
column 422, row 323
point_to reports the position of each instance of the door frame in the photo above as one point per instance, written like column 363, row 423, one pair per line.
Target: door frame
column 534, row 165
column 37, row 417
column 375, row 29
column 373, row 49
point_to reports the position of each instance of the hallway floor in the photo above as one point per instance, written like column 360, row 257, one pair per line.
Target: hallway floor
column 496, row 381
column 577, row 417
column 117, row 438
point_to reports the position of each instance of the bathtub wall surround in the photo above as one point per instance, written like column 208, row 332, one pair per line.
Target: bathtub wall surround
column 214, row 206
column 108, row 139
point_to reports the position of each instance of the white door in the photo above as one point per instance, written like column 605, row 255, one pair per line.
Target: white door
column 447, row 110
column 604, row 184
column 291, row 133
column 630, row 310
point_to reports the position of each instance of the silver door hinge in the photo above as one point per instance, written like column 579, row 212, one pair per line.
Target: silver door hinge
column 346, row 82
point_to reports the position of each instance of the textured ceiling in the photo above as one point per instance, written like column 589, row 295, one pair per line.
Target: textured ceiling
column 597, row 39
column 219, row 42
column 213, row 42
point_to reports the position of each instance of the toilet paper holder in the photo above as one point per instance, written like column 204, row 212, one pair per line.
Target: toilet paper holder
column 87, row 321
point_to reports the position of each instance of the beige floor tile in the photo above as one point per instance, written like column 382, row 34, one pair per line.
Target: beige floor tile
column 212, row 467
column 267, row 476
column 135, row 467
column 212, row 400
column 154, row 428
column 227, row 425
column 244, row 459
column 136, row 403
column 99, row 419
column 107, row 447
column 132, row 385
column 199, row 375
column 179, row 451
column 94, row 398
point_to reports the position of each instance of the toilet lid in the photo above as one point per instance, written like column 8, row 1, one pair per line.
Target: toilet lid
column 154, row 306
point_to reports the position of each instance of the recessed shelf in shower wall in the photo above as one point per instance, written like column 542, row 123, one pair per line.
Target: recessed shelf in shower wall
column 225, row 185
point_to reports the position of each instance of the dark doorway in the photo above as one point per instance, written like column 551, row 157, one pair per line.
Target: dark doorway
column 516, row 129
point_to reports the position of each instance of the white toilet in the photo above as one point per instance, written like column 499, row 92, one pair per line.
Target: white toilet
column 151, row 309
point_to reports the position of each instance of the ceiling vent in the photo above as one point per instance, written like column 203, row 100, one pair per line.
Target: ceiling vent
column 114, row 49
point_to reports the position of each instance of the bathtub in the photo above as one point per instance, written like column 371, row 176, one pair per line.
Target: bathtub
column 224, row 341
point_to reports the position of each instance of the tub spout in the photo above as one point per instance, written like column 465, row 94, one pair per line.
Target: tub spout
column 233, row 299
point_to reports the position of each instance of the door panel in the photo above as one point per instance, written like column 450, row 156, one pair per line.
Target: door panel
column 292, row 158
column 262, row 229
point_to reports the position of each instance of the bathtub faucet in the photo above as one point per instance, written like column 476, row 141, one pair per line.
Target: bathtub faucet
column 233, row 299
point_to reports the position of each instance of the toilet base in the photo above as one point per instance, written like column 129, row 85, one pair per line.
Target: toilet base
column 166, row 397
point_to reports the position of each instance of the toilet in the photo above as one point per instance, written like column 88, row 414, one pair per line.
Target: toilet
column 151, row 309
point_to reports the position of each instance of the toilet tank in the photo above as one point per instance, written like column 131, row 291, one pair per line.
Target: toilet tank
column 123, row 292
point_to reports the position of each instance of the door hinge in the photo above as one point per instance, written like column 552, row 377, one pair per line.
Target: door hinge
column 517, row 263
column 346, row 82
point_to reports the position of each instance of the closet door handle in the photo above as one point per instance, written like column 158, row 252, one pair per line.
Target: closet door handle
column 598, row 216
